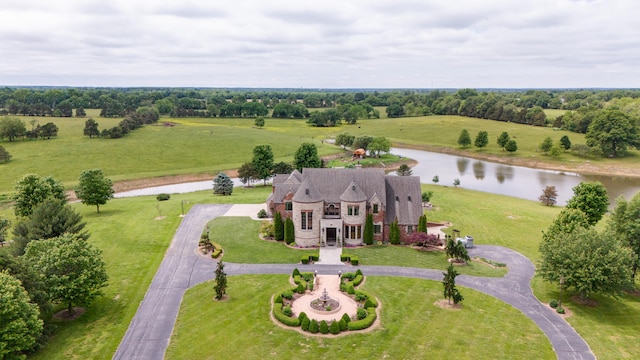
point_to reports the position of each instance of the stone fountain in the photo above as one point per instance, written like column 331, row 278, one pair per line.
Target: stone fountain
column 325, row 304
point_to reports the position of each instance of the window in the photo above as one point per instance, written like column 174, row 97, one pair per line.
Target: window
column 332, row 210
column 353, row 231
column 375, row 208
column 377, row 229
column 353, row 210
column 288, row 206
column 409, row 229
column 307, row 220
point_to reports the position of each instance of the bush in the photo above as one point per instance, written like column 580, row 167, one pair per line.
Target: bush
column 350, row 289
column 267, row 229
column 370, row 299
column 217, row 250
column 295, row 272
column 304, row 259
column 262, row 214
column 363, row 323
column 345, row 257
column 307, row 276
column 343, row 325
column 302, row 316
column 553, row 303
column 288, row 294
column 287, row 311
column 324, row 327
column 349, row 276
column 359, row 272
column 313, row 327
column 334, row 328
column 278, row 299
column 280, row 316
column 358, row 280
column 304, row 324
column 301, row 288
column 346, row 318
column 163, row 197
column 361, row 313
column 355, row 261
column 343, row 287
column 314, row 257
column 369, row 304
column 560, row 310
column 360, row 296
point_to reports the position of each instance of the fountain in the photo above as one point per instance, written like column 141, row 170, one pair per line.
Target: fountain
column 325, row 304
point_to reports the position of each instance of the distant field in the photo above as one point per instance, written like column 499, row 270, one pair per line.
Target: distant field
column 554, row 113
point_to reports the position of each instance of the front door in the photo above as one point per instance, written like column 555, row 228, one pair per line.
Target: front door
column 331, row 236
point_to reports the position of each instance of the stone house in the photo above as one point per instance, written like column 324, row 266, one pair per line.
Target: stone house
column 330, row 206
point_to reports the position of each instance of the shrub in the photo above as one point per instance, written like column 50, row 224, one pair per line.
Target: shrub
column 280, row 316
column 358, row 280
column 343, row 287
column 343, row 325
column 553, row 303
column 314, row 257
column 307, row 276
column 262, row 214
column 370, row 299
column 301, row 288
column 349, row 276
column 304, row 259
column 359, row 272
column 328, row 308
column 355, row 261
column 217, row 250
column 324, row 327
column 365, row 322
column 266, row 229
column 560, row 310
column 350, row 289
column 295, row 272
column 287, row 311
column 163, row 197
column 360, row 296
column 288, row 294
column 278, row 299
column 304, row 324
column 313, row 327
column 361, row 313
column 334, row 328
column 346, row 317
column 369, row 304
column 302, row 315
column 345, row 257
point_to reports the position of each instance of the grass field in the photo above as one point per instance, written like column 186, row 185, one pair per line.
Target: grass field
column 412, row 326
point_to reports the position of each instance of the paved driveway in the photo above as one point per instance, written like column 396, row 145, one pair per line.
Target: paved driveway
column 149, row 332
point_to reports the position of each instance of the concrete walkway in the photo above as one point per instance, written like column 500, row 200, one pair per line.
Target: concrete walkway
column 329, row 255
column 149, row 332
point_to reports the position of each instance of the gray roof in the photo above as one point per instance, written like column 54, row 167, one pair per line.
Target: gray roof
column 307, row 193
column 332, row 182
column 353, row 193
column 404, row 199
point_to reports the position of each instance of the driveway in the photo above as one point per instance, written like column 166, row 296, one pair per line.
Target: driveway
column 149, row 332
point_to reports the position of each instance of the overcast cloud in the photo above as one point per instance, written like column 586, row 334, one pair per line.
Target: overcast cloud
column 321, row 44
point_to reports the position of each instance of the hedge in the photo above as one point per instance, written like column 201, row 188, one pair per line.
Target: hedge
column 355, row 261
column 364, row 323
column 345, row 257
column 217, row 250
column 289, row 321
column 304, row 259
column 358, row 280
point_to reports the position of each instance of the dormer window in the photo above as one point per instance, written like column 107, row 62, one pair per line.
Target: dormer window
column 409, row 198
column 375, row 208
column 288, row 206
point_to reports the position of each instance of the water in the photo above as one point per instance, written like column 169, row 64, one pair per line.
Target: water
column 516, row 181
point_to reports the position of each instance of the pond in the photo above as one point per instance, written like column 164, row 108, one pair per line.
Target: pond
column 517, row 181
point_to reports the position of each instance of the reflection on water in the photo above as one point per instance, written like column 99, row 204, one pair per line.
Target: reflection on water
column 514, row 181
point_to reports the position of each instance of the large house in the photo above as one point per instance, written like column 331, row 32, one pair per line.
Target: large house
column 330, row 206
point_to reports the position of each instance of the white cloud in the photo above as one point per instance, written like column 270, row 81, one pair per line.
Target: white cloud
column 283, row 43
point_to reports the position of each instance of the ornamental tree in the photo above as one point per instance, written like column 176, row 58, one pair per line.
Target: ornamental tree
column 591, row 198
column 464, row 139
column 503, row 139
column 221, row 281
column 222, row 184
column 549, row 195
column 404, row 170
column 94, row 188
column 449, row 284
column 72, row 269
column 368, row 230
column 278, row 227
column 482, row 139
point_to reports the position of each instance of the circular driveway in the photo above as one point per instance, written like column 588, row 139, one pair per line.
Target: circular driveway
column 150, row 329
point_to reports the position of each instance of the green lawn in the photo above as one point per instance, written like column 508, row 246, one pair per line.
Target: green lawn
column 412, row 326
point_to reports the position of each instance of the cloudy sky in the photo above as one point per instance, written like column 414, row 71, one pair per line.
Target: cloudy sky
column 321, row 44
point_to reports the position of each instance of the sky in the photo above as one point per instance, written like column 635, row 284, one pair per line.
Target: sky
column 321, row 44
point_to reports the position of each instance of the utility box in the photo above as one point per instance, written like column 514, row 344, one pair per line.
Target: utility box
column 467, row 241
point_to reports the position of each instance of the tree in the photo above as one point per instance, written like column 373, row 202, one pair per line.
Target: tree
column 247, row 173
column 263, row 161
column 456, row 182
column 587, row 261
column 307, row 157
column 449, row 284
column 289, row 231
column 12, row 128
column 5, row 224
column 422, row 223
column 566, row 222
column 379, row 144
column 94, row 188
column 367, row 236
column 625, row 224
column 456, row 250
column 51, row 218
column 435, row 179
column 482, row 139
column 404, row 170
column 5, row 157
column 464, row 139
column 91, row 128
column 48, row 130
column 511, row 146
column 546, row 145
column 31, row 190
column 503, row 139
column 278, row 227
column 395, row 110
column 282, row 168
column 556, row 150
column 345, row 140
column 259, row 122
column 80, row 112
column 221, row 281
column 30, row 280
column 549, row 195
column 591, row 198
column 394, row 233
column 222, row 184
column 21, row 326
column 565, row 142
column 71, row 267
column 362, row 142
column 613, row 131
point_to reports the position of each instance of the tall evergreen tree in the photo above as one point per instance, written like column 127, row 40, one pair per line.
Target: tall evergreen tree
column 422, row 223
column 289, row 231
column 221, row 281
column 368, row 230
column 278, row 227
column 394, row 233
column 222, row 184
